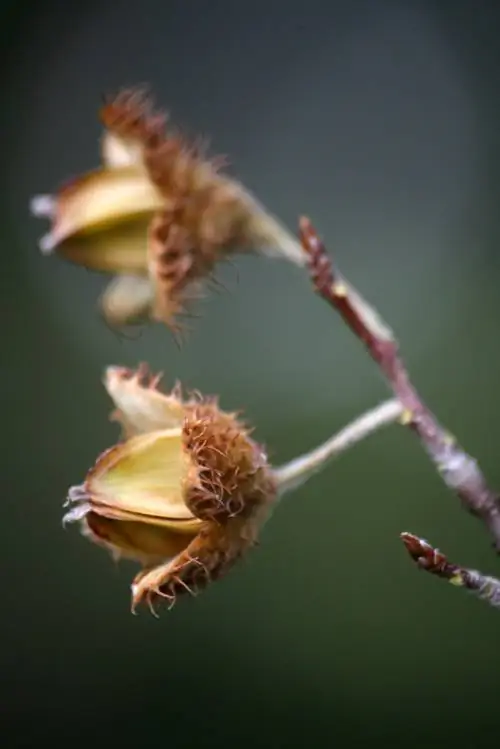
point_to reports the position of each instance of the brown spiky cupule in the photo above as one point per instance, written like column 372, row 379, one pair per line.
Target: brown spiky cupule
column 209, row 556
column 233, row 494
column 234, row 478
column 206, row 215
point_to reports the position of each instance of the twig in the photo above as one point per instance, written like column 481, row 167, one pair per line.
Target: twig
column 432, row 560
column 298, row 471
column 459, row 471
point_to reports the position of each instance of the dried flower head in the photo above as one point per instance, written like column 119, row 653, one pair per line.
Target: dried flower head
column 184, row 493
column 158, row 214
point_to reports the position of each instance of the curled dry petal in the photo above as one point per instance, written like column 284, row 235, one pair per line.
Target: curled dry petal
column 102, row 200
column 144, row 542
column 144, row 478
column 140, row 406
column 127, row 300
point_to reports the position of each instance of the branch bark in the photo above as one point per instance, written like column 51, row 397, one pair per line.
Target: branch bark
column 459, row 471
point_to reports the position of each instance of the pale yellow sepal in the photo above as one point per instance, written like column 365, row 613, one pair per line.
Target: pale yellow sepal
column 141, row 407
column 99, row 199
column 144, row 479
column 116, row 248
column 127, row 300
column 143, row 542
column 119, row 152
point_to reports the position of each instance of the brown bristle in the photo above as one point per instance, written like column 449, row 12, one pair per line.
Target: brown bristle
column 171, row 259
column 207, row 558
column 206, row 216
column 129, row 114
column 234, row 479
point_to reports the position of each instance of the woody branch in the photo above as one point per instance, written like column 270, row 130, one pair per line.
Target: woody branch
column 459, row 471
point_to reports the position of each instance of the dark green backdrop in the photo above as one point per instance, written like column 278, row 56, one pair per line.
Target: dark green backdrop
column 381, row 121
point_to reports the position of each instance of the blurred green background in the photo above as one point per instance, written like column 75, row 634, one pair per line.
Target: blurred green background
column 380, row 120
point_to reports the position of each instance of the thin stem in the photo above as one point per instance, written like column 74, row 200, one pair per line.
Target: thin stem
column 270, row 235
column 459, row 471
column 436, row 563
column 298, row 471
column 276, row 240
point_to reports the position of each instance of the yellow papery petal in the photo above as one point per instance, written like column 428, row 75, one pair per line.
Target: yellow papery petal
column 141, row 407
column 112, row 512
column 147, row 543
column 117, row 248
column 98, row 199
column 145, row 479
column 127, row 300
column 118, row 152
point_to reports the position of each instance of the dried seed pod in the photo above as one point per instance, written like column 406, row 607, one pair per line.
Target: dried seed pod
column 158, row 211
column 184, row 493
